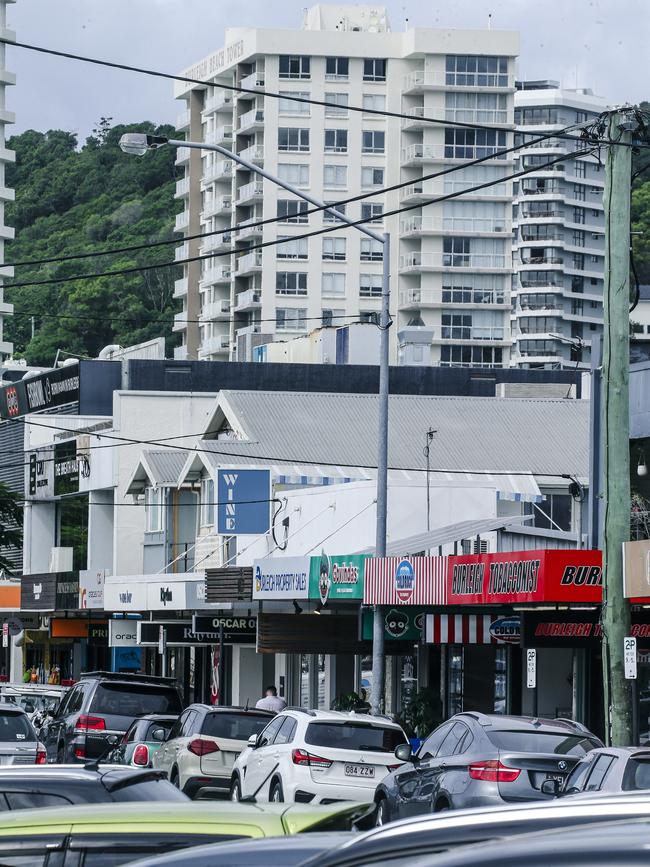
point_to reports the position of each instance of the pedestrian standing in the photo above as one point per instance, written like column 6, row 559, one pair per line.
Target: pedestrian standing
column 271, row 701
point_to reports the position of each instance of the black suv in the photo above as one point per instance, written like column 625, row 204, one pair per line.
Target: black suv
column 99, row 709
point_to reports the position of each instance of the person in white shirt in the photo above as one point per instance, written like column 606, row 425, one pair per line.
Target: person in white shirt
column 271, row 701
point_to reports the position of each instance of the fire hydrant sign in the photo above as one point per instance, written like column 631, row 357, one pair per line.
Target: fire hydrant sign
column 531, row 668
column 629, row 657
column 243, row 502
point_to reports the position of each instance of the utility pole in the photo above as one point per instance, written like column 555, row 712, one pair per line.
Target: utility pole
column 616, row 433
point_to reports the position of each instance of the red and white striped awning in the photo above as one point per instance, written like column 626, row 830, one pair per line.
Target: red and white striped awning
column 458, row 629
column 427, row 587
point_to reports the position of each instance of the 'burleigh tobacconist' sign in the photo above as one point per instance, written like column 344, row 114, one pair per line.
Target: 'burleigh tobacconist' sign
column 548, row 575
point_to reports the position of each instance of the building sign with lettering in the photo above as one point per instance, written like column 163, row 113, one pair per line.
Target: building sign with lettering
column 44, row 391
column 335, row 578
column 40, row 474
column 243, row 502
column 236, row 630
column 281, row 578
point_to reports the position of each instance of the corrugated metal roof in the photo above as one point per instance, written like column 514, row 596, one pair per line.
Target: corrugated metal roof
column 164, row 467
column 446, row 535
column 473, row 434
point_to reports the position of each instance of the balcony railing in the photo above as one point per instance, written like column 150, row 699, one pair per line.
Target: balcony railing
column 541, row 215
column 216, row 345
column 460, row 186
column 218, row 205
column 182, row 188
column 250, row 191
column 465, row 225
column 255, row 79
column 421, row 79
column 182, row 221
column 181, row 252
column 477, row 115
column 472, row 332
column 418, row 297
column 182, row 155
column 220, row 134
column 254, row 154
column 477, row 261
column 216, row 274
column 219, row 241
column 416, row 189
column 247, row 300
column 180, row 321
column 249, row 228
column 216, row 309
column 180, row 287
column 249, row 262
column 221, row 170
column 183, row 120
column 251, row 119
column 542, row 260
column 221, row 99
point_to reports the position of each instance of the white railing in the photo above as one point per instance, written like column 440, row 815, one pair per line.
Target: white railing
column 250, row 227
column 249, row 262
column 251, row 118
column 216, row 309
column 180, row 321
column 181, row 252
column 457, row 297
column 182, row 187
column 416, row 189
column 472, row 332
column 254, row 153
column 255, row 79
column 216, row 274
column 219, row 134
column 475, row 225
column 249, row 298
column 422, row 78
column 478, row 115
column 458, row 186
column 182, row 221
column 182, row 155
column 183, row 120
column 249, row 191
column 218, row 205
column 216, row 241
column 180, row 287
column 471, row 261
column 424, row 153
column 218, row 344
column 221, row 99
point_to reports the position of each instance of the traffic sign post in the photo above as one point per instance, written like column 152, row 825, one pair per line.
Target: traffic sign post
column 162, row 649
column 629, row 657
column 531, row 668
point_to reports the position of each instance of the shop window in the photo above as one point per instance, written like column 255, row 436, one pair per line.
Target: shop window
column 72, row 517
column 475, row 546
column 553, row 513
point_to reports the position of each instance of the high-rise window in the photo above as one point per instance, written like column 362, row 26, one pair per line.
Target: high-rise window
column 469, row 70
column 373, row 141
column 293, row 139
column 333, row 285
column 372, row 212
column 336, row 141
column 290, row 319
column 292, row 211
column 374, row 69
column 335, row 176
column 329, row 217
column 334, row 249
column 295, row 174
column 468, row 144
column 336, row 68
column 290, row 106
column 370, row 285
column 371, row 250
column 290, row 283
column 292, row 248
column 338, row 104
column 372, row 177
column 333, row 317
column 295, row 66
column 373, row 102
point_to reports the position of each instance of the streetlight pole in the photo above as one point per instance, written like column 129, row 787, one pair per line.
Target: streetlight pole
column 139, row 144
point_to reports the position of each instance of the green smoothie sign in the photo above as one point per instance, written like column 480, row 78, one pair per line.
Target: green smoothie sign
column 335, row 578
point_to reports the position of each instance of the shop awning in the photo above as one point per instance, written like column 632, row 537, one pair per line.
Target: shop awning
column 448, row 534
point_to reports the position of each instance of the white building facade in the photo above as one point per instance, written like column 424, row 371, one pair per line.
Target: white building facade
column 450, row 263
column 559, row 233
column 6, row 156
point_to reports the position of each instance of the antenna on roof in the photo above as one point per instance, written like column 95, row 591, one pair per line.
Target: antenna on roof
column 489, row 21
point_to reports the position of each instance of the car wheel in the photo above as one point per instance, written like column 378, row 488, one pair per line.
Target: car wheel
column 235, row 790
column 441, row 806
column 381, row 816
column 276, row 795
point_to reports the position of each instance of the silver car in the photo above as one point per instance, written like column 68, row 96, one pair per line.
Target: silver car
column 19, row 744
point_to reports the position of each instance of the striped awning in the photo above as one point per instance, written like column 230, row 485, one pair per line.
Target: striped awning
column 458, row 629
column 401, row 581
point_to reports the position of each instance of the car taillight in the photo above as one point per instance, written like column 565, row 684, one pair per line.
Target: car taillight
column 141, row 755
column 493, row 772
column 302, row 757
column 202, row 747
column 41, row 755
column 394, row 767
column 80, row 752
column 87, row 723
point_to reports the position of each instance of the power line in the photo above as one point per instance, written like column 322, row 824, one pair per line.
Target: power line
column 336, row 227
column 264, row 93
column 496, row 154
column 144, row 321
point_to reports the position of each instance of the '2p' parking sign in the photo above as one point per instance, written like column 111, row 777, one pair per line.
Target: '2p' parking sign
column 243, row 502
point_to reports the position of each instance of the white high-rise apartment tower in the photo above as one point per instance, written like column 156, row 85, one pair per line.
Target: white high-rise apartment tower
column 451, row 262
column 6, row 156
column 559, row 226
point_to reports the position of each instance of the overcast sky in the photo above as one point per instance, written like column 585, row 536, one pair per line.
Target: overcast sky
column 602, row 44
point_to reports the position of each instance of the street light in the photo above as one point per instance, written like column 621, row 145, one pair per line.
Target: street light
column 138, row 144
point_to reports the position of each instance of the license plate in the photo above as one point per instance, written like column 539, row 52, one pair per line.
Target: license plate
column 359, row 771
column 557, row 777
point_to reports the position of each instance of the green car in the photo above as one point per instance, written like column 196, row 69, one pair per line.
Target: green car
column 144, row 737
column 117, row 833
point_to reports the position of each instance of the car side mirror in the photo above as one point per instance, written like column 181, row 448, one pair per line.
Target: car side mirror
column 551, row 787
column 111, row 740
column 404, row 753
column 252, row 741
column 159, row 735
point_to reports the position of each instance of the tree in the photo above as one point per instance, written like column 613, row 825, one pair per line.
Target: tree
column 11, row 522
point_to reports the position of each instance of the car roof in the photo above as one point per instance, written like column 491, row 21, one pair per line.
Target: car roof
column 154, row 717
column 341, row 716
column 68, row 772
column 523, row 723
column 7, row 708
column 211, row 708
column 621, row 751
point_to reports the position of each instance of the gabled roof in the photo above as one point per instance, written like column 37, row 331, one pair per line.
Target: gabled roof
column 160, row 469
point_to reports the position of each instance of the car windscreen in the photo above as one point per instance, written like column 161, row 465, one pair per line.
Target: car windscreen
column 30, row 702
column 354, row 736
column 520, row 741
column 149, row 790
column 147, row 732
column 15, row 728
column 137, row 699
column 237, row 726
column 637, row 774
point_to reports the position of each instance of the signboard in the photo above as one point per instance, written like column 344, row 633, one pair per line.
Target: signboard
column 575, row 628
column 281, row 578
column 40, row 474
column 14, row 625
column 336, row 578
column 400, row 624
column 629, row 657
column 53, row 388
column 98, row 633
column 472, row 629
column 531, row 668
column 91, row 589
column 182, row 634
column 162, row 640
column 243, row 502
column 236, row 630
column 5, row 635
column 38, row 592
column 227, row 584
column 66, row 468
column 124, row 595
column 547, row 575
column 123, row 632
column 67, row 591
column 154, row 592
column 636, row 569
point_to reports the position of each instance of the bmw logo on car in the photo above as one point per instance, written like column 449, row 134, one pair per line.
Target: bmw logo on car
column 505, row 630
column 562, row 766
column 405, row 581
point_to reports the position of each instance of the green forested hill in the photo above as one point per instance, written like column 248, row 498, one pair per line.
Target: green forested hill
column 72, row 199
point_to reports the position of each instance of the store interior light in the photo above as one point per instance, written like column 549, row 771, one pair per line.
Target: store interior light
column 642, row 469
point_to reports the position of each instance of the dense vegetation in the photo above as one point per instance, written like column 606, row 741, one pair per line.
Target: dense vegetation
column 72, row 199
column 641, row 209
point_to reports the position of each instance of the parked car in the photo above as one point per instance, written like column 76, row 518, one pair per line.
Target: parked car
column 610, row 769
column 421, row 840
column 316, row 756
column 19, row 744
column 204, row 742
column 36, row 699
column 144, row 737
column 111, row 834
column 478, row 760
column 60, row 785
column 99, row 709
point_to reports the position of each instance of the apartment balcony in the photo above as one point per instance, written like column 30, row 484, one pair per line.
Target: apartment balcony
column 496, row 117
column 537, row 309
column 469, row 334
column 251, row 299
column 250, row 230
column 216, row 274
column 418, row 154
column 217, row 206
column 546, row 285
column 182, row 156
column 253, row 154
column 180, row 321
column 560, row 122
column 422, row 226
column 415, row 118
column 220, row 242
column 180, row 287
column 182, row 188
column 181, row 252
column 251, row 82
column 251, row 121
column 497, row 192
column 183, row 121
column 421, row 80
column 219, row 171
column 550, row 213
column 219, row 345
column 250, row 193
column 180, row 353
column 221, row 135
column 417, row 262
column 220, row 101
column 249, row 264
column 432, row 299
column 414, row 193
column 216, row 310
column 536, row 261
column 182, row 221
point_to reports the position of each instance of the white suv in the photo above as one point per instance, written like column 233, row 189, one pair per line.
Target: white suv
column 318, row 757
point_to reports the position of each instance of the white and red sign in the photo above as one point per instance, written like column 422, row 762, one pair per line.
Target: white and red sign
column 547, row 575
